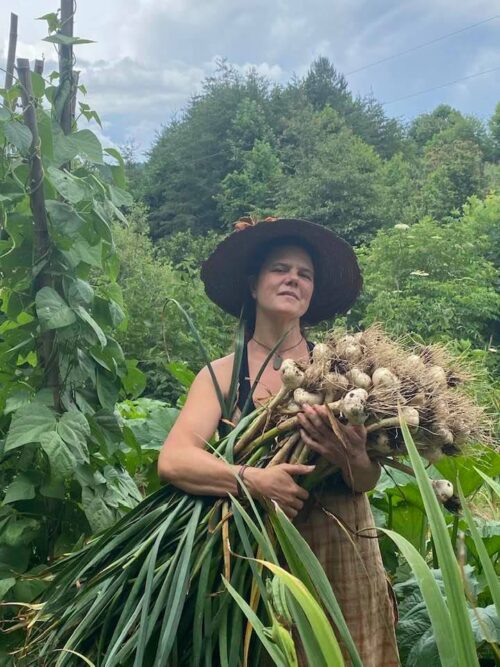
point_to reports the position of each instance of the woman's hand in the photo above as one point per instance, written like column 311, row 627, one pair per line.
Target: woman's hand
column 278, row 484
column 349, row 454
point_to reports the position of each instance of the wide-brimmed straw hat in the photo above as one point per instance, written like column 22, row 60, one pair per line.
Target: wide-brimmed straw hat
column 338, row 278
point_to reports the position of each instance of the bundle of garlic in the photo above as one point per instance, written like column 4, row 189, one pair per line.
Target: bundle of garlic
column 366, row 378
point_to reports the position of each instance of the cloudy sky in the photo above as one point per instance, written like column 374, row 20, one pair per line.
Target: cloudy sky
column 151, row 55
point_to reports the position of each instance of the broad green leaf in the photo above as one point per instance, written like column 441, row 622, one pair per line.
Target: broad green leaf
column 45, row 132
column 53, row 312
column 5, row 114
column 66, row 40
column 19, row 135
column 21, row 488
column 37, row 84
column 488, row 568
column 462, row 634
column 29, row 424
column 81, row 251
column 107, row 390
column 52, row 19
column 61, row 460
column 74, row 429
column 66, row 185
column 5, row 586
column 181, row 372
column 80, row 293
column 87, row 145
column 134, row 382
column 88, row 319
column 120, row 197
column 83, row 143
column 66, row 226
column 19, row 532
column 97, row 510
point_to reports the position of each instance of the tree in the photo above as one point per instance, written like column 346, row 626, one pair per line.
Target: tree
column 433, row 279
column 449, row 125
column 194, row 153
column 255, row 188
column 337, row 182
column 494, row 126
column 453, row 171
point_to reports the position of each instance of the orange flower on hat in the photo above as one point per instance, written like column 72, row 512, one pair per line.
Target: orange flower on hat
column 248, row 221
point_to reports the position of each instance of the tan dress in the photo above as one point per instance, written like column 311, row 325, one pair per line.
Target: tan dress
column 334, row 523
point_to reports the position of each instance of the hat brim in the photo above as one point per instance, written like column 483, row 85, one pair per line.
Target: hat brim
column 338, row 284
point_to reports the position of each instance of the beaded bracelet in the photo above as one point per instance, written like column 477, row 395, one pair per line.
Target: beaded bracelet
column 241, row 473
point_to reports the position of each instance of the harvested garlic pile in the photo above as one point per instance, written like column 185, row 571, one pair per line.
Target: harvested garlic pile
column 365, row 377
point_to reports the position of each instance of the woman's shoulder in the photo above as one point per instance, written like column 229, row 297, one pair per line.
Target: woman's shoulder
column 223, row 370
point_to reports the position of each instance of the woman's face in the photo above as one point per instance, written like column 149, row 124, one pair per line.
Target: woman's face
column 285, row 282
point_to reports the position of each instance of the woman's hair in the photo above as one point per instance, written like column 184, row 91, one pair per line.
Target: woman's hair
column 254, row 267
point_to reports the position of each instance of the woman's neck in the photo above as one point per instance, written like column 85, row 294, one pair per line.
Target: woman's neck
column 268, row 331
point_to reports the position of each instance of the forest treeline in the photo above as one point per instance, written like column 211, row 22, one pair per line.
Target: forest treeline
column 419, row 202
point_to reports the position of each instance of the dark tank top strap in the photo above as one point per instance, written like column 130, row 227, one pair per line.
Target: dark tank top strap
column 244, row 382
column 244, row 378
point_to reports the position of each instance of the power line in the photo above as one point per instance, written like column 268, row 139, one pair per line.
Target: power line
column 421, row 46
column 442, row 85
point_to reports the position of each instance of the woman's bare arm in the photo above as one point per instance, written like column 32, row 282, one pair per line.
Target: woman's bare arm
column 183, row 461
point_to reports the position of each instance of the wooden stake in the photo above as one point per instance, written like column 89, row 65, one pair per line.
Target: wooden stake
column 39, row 66
column 41, row 239
column 11, row 55
column 66, row 82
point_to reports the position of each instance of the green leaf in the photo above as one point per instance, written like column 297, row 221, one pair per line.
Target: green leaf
column 97, row 510
column 5, row 586
column 20, row 531
column 66, row 226
column 88, row 145
column 83, row 143
column 21, row 488
column 491, row 482
column 66, row 40
column 5, row 114
column 134, row 382
column 81, row 251
column 74, row 429
column 53, row 312
column 52, row 19
column 120, row 197
column 66, row 185
column 488, row 568
column 434, row 601
column 462, row 634
column 28, row 425
column 61, row 460
column 37, row 84
column 107, row 390
column 80, row 293
column 88, row 319
column 181, row 372
column 19, row 135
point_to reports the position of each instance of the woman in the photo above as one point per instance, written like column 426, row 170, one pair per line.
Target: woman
column 284, row 273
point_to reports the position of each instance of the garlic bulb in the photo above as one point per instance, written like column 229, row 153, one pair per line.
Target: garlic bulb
column 301, row 396
column 437, row 375
column 443, row 489
column 353, row 406
column 291, row 374
column 359, row 379
column 383, row 376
